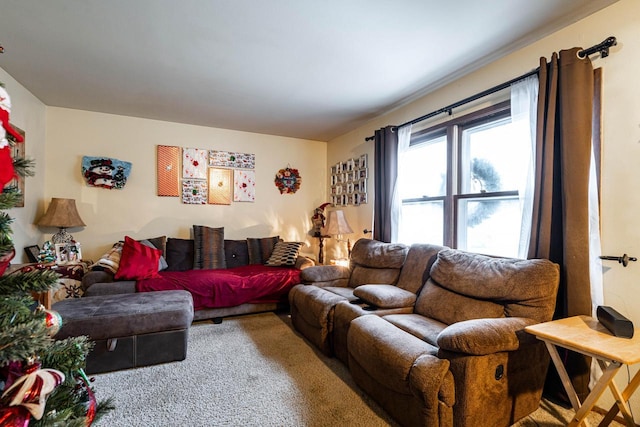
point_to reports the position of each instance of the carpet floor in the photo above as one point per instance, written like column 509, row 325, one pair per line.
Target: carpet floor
column 253, row 371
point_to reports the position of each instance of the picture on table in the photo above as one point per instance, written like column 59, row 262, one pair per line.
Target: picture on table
column 68, row 253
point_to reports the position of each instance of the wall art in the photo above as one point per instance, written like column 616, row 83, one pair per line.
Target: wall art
column 219, row 186
column 232, row 160
column 348, row 182
column 105, row 172
column 288, row 180
column 168, row 170
column 194, row 163
column 194, row 191
column 244, row 185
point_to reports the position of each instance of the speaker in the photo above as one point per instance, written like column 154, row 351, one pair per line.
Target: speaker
column 615, row 322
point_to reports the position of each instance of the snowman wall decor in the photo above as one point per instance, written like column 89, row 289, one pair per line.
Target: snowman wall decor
column 105, row 172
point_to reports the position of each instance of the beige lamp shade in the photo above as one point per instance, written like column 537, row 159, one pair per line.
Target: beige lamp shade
column 62, row 213
column 336, row 224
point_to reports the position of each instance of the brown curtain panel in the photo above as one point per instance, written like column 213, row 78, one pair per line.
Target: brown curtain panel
column 560, row 226
column 386, row 173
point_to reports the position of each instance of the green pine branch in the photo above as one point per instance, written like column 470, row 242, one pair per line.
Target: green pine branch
column 24, row 283
column 24, row 167
column 23, row 341
column 9, row 198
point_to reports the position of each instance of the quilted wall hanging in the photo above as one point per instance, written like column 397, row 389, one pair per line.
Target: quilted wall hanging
column 219, row 186
column 244, row 185
column 168, row 170
column 105, row 172
column 194, row 163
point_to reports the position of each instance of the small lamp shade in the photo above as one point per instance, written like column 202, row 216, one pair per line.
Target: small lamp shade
column 62, row 213
column 336, row 224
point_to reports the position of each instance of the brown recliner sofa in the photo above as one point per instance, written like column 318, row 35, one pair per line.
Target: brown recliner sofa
column 459, row 356
column 389, row 274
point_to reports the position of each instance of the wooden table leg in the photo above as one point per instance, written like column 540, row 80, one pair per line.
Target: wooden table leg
column 621, row 399
column 582, row 409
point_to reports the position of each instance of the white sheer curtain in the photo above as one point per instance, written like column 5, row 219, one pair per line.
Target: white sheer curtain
column 524, row 105
column 404, row 138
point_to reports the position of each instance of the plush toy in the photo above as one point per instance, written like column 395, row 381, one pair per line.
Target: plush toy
column 7, row 173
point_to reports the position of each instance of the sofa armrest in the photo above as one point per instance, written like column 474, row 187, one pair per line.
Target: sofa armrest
column 303, row 262
column 96, row 276
column 326, row 275
column 485, row 336
column 385, row 296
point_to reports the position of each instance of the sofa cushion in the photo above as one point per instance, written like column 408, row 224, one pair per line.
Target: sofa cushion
column 419, row 326
column 526, row 288
column 260, row 248
column 162, row 263
column 284, row 254
column 138, row 261
column 236, row 253
column 110, row 261
column 179, row 254
column 372, row 253
column 208, row 248
column 376, row 262
column 385, row 296
column 457, row 307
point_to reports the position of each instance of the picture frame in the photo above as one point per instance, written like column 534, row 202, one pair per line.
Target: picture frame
column 68, row 253
column 363, row 161
column 33, row 253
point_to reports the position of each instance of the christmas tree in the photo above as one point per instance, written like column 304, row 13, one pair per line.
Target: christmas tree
column 42, row 382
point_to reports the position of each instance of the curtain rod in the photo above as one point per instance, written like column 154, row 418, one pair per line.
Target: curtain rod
column 602, row 48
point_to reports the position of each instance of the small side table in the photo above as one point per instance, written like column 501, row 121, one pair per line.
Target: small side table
column 69, row 284
column 585, row 335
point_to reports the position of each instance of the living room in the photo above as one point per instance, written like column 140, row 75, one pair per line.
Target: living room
column 58, row 137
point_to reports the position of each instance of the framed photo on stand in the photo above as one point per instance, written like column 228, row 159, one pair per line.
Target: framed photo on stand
column 68, row 253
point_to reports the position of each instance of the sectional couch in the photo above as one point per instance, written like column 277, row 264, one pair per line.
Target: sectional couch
column 435, row 335
column 225, row 277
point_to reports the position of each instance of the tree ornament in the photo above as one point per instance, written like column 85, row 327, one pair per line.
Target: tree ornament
column 53, row 321
column 14, row 416
column 32, row 389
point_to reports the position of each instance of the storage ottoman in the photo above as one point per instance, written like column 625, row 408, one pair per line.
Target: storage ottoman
column 129, row 330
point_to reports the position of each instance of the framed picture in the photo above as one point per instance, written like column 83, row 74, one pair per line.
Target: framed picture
column 68, row 253
column 363, row 161
column 32, row 253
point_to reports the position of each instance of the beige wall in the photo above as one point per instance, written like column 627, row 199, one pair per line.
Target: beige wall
column 136, row 211
column 621, row 121
column 27, row 113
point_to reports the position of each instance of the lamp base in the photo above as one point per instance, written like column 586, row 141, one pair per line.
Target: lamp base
column 61, row 237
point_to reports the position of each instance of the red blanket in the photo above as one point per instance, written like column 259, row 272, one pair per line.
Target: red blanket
column 229, row 287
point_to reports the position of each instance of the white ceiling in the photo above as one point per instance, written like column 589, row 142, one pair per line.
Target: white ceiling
column 298, row 68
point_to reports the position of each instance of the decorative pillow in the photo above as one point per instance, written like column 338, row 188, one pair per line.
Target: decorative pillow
column 260, row 249
column 159, row 243
column 179, row 254
column 208, row 248
column 236, row 253
column 284, row 254
column 138, row 261
column 162, row 263
column 109, row 261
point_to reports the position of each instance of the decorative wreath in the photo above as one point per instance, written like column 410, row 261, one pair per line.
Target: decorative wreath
column 288, row 180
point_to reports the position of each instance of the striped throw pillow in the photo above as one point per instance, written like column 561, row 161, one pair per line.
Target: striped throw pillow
column 284, row 254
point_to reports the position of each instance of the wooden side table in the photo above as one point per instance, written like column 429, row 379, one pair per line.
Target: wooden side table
column 585, row 335
column 69, row 284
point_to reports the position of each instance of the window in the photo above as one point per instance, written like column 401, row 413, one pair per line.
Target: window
column 459, row 184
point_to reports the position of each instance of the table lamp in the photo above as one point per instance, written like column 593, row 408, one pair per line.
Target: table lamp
column 337, row 225
column 62, row 213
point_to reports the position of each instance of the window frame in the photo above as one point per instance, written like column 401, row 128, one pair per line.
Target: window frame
column 453, row 130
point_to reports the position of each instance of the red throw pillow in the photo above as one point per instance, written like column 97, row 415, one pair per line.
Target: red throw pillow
column 138, row 261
